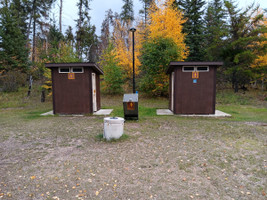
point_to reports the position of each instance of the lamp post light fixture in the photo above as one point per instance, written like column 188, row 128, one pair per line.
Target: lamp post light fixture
column 133, row 30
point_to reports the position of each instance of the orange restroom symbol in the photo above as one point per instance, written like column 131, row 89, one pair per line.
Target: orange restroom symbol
column 195, row 75
column 71, row 76
column 130, row 106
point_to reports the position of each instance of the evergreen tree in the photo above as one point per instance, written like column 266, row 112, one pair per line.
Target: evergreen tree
column 54, row 36
column 13, row 50
column 127, row 14
column 215, row 30
column 60, row 15
column 106, row 30
column 244, row 43
column 86, row 39
column 156, row 55
column 69, row 37
column 193, row 11
column 145, row 10
column 39, row 11
column 112, row 72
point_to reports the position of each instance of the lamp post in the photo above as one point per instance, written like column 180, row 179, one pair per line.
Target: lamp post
column 133, row 30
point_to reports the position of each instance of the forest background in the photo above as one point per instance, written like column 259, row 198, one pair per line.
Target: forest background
column 181, row 30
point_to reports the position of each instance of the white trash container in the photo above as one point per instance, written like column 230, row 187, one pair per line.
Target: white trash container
column 113, row 127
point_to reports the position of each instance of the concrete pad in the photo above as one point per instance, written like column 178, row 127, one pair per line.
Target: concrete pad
column 48, row 113
column 218, row 113
column 103, row 112
column 164, row 112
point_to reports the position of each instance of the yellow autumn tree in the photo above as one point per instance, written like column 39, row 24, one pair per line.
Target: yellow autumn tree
column 260, row 64
column 164, row 43
column 165, row 21
column 123, row 47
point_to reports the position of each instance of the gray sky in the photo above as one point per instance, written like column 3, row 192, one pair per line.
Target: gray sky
column 99, row 7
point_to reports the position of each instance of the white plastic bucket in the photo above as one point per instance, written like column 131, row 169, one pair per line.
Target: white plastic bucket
column 113, row 127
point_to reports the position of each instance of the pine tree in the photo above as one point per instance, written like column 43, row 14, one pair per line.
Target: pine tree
column 86, row 39
column 69, row 37
column 156, row 55
column 54, row 36
column 13, row 50
column 127, row 14
column 39, row 11
column 215, row 30
column 145, row 10
column 106, row 30
column 244, row 43
column 193, row 12
column 60, row 15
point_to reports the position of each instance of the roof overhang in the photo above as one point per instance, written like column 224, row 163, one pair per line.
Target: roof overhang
column 81, row 64
column 180, row 64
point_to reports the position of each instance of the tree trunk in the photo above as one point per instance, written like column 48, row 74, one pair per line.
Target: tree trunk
column 79, row 30
column 262, row 84
column 43, row 96
column 34, row 31
column 60, row 15
column 235, row 81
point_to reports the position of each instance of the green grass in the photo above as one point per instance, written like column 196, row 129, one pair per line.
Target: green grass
column 143, row 112
column 245, row 113
column 226, row 97
column 124, row 137
column 248, row 106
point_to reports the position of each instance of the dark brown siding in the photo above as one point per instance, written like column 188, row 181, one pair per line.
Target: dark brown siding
column 71, row 96
column 195, row 98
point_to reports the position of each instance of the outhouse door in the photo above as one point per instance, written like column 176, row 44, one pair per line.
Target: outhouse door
column 172, row 92
column 94, row 92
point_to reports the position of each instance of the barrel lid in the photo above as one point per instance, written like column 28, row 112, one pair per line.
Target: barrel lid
column 113, row 120
column 130, row 97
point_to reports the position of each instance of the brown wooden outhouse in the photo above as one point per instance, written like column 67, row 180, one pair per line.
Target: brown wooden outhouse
column 76, row 87
column 192, row 87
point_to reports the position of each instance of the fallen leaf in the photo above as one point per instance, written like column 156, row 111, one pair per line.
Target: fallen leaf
column 248, row 193
column 33, row 177
column 192, row 197
column 96, row 193
column 263, row 193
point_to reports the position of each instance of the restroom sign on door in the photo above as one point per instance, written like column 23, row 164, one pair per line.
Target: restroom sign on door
column 71, row 76
column 195, row 75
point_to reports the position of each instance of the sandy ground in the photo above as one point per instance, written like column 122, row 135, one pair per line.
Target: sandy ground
column 163, row 158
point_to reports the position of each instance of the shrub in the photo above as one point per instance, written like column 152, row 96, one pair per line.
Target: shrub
column 10, row 81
